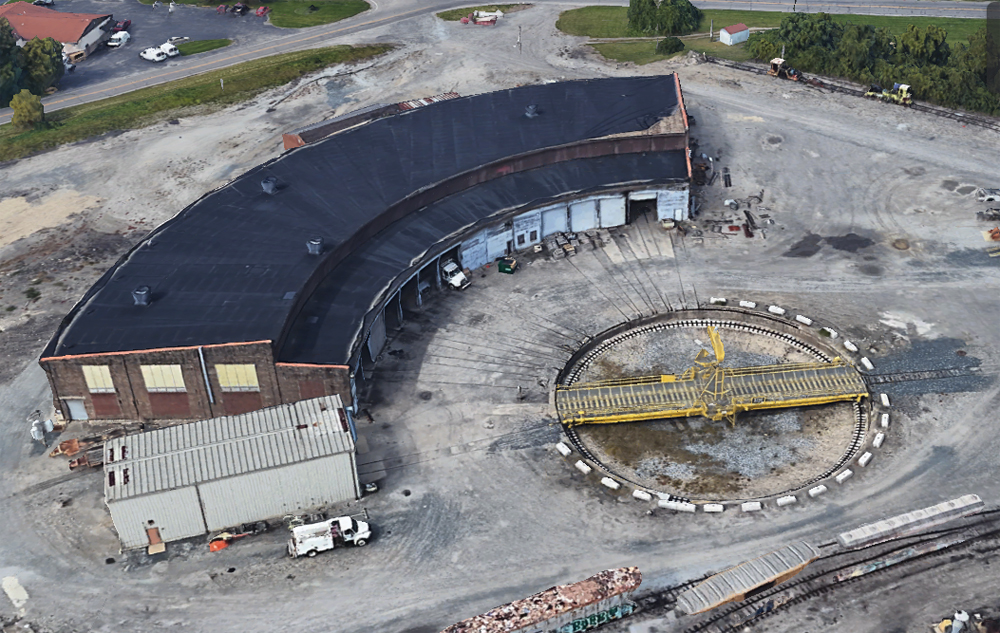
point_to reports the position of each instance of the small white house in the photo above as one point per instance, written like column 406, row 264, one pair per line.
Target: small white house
column 734, row 34
column 190, row 479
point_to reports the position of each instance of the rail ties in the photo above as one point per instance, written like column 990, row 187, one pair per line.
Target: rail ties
column 913, row 376
column 948, row 113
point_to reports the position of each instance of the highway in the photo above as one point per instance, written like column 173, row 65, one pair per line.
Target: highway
column 395, row 11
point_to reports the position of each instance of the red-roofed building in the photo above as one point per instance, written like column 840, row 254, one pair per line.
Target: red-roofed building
column 734, row 34
column 78, row 32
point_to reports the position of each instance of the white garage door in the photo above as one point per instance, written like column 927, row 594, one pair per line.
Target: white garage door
column 583, row 215
column 554, row 220
column 672, row 205
column 613, row 211
column 474, row 251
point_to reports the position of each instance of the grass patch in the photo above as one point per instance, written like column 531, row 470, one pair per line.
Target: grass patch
column 454, row 15
column 201, row 46
column 292, row 14
column 644, row 51
column 149, row 105
column 608, row 22
column 641, row 52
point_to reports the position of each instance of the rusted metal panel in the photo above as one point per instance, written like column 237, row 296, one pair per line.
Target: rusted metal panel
column 558, row 606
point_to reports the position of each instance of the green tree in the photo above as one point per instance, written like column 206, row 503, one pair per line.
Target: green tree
column 28, row 110
column 676, row 17
column 669, row 45
column 43, row 65
column 641, row 15
column 925, row 46
column 10, row 63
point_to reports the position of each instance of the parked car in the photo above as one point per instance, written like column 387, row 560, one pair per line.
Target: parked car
column 239, row 9
column 169, row 50
column 43, row 3
column 988, row 195
column 153, row 54
column 262, row 11
column 174, row 40
column 119, row 39
column 121, row 25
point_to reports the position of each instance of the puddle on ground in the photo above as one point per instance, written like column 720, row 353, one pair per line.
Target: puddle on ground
column 965, row 189
column 806, row 247
column 949, row 185
column 851, row 242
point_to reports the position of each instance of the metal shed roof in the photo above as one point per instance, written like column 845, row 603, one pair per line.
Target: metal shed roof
column 736, row 581
column 193, row 453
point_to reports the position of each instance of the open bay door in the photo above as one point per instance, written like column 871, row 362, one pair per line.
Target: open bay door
column 376, row 335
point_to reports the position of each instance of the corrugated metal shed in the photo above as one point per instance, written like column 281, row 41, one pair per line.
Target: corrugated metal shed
column 188, row 454
column 735, row 583
column 189, row 479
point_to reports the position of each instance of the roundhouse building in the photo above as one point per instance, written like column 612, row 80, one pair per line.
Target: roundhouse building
column 280, row 286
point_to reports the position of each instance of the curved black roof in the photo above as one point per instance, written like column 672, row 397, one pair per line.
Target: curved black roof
column 327, row 327
column 231, row 266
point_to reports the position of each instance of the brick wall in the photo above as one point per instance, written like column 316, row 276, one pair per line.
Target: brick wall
column 131, row 401
column 301, row 382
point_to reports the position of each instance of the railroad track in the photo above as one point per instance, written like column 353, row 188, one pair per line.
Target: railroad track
column 860, row 419
column 751, row 612
column 930, row 374
column 966, row 118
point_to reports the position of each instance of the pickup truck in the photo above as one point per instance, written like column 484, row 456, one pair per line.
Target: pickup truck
column 312, row 538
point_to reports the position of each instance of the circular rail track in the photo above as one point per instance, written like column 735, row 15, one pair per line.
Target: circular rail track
column 577, row 367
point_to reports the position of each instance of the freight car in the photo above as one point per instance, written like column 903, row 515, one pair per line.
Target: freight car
column 911, row 522
column 580, row 606
column 747, row 579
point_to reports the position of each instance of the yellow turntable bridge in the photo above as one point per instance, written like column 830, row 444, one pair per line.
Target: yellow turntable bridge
column 709, row 390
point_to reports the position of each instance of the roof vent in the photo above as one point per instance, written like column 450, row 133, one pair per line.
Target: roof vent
column 531, row 111
column 315, row 245
column 270, row 185
column 141, row 296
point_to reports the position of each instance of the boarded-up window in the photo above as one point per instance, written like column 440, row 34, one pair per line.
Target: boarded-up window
column 98, row 379
column 163, row 378
column 237, row 377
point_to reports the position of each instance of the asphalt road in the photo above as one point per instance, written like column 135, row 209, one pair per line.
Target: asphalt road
column 257, row 42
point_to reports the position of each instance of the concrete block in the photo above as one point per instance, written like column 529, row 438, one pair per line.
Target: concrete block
column 678, row 506
column 867, row 363
column 582, row 467
column 885, row 420
column 642, row 495
column 751, row 506
column 884, row 398
column 829, row 332
column 610, row 483
column 717, row 301
column 786, row 501
column 849, row 346
column 879, row 438
column 748, row 304
column 713, row 507
column 817, row 491
column 803, row 320
column 775, row 310
column 844, row 476
column 867, row 457
column 563, row 449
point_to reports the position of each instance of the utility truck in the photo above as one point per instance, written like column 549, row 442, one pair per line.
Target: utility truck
column 313, row 538
column 452, row 275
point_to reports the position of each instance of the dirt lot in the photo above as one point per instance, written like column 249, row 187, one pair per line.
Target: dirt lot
column 476, row 507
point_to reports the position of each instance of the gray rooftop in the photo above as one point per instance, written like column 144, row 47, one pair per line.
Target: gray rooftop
column 193, row 453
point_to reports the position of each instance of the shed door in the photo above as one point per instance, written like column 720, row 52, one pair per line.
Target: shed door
column 474, row 251
column 583, row 215
column 77, row 410
column 613, row 211
column 376, row 335
column 554, row 220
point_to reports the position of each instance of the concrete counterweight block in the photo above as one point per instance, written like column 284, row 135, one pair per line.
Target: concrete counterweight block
column 879, row 438
column 776, row 310
column 844, row 476
column 748, row 304
column 751, row 506
column 642, row 495
column 563, row 449
column 582, row 467
column 817, row 491
column 678, row 506
column 786, row 501
column 610, row 483
column 867, row 457
column 713, row 507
